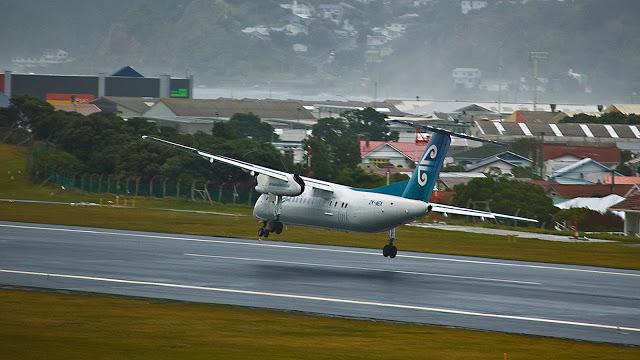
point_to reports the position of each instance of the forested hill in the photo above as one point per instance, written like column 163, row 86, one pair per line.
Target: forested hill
column 346, row 43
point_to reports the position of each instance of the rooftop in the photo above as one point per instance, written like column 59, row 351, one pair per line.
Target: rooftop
column 136, row 104
column 225, row 108
column 632, row 203
column 83, row 108
column 411, row 150
column 571, row 191
column 601, row 154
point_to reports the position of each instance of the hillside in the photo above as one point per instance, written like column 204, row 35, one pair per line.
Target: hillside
column 353, row 46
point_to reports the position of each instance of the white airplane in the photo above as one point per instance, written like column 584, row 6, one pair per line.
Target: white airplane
column 297, row 200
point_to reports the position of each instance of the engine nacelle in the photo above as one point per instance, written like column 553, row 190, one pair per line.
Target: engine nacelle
column 269, row 185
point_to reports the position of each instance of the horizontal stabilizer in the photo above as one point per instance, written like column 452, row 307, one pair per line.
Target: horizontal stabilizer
column 445, row 131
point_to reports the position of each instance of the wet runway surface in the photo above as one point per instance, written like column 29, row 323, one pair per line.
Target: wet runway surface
column 578, row 302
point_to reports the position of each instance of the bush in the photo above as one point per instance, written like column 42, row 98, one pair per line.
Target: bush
column 589, row 220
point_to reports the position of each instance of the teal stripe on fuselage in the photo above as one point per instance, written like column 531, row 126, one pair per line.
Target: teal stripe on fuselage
column 395, row 189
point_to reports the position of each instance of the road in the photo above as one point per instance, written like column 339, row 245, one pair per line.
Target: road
column 577, row 302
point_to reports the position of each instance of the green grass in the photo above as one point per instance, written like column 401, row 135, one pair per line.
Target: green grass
column 539, row 230
column 620, row 255
column 53, row 325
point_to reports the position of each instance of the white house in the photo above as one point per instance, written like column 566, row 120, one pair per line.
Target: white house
column 493, row 165
column 585, row 171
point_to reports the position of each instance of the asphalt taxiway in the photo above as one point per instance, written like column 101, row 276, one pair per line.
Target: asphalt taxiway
column 577, row 302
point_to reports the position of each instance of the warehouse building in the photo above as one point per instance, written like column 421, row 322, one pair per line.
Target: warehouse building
column 66, row 89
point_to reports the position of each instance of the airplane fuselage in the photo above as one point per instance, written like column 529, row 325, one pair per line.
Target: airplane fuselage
column 344, row 209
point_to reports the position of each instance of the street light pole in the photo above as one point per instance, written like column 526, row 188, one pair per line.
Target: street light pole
column 535, row 56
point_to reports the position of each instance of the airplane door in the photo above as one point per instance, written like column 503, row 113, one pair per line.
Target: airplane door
column 343, row 218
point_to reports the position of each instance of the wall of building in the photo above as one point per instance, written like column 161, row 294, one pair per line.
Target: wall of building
column 61, row 88
column 589, row 173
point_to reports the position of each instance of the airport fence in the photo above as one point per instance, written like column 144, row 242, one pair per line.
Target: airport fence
column 156, row 187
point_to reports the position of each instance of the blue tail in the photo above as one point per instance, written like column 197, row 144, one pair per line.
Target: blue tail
column 421, row 184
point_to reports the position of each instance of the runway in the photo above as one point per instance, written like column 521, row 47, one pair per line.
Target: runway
column 577, row 302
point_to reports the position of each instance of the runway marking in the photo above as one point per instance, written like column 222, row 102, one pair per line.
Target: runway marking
column 324, row 299
column 299, row 247
column 365, row 268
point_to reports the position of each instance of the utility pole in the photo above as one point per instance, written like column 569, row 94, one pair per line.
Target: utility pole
column 541, row 155
column 500, row 66
column 534, row 56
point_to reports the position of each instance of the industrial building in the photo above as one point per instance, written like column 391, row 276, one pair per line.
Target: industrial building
column 66, row 89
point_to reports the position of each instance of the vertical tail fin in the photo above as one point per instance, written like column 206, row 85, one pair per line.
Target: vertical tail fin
column 428, row 168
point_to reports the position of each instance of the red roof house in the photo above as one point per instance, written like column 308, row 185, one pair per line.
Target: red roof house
column 606, row 155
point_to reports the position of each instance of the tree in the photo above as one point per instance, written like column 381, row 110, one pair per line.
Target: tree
column 589, row 220
column 244, row 126
column 370, row 124
column 333, row 147
column 452, row 168
column 524, row 172
column 506, row 196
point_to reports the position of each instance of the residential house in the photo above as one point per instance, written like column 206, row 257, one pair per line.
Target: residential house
column 563, row 192
column 585, row 171
column 125, row 107
column 493, row 165
column 631, row 208
column 558, row 156
column 489, row 151
column 599, row 204
column 389, row 156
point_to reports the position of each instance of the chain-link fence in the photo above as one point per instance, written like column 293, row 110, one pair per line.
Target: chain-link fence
column 156, row 187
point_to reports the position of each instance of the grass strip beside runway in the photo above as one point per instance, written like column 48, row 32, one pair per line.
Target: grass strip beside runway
column 57, row 325
column 616, row 255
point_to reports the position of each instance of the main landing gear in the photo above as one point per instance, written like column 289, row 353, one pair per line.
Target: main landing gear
column 390, row 250
column 269, row 227
column 273, row 225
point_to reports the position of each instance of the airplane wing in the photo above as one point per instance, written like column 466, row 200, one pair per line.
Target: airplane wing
column 277, row 174
column 448, row 209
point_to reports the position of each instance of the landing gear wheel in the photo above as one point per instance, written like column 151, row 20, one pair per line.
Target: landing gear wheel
column 277, row 227
column 261, row 232
column 386, row 250
column 394, row 252
column 266, row 233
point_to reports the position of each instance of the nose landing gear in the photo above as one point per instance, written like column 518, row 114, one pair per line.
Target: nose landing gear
column 390, row 250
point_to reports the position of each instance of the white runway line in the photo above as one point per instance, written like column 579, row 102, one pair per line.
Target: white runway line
column 309, row 248
column 366, row 269
column 324, row 299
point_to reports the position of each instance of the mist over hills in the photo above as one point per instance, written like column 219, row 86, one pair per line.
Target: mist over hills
column 401, row 48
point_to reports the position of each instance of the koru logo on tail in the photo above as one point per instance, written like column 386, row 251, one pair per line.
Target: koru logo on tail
column 427, row 159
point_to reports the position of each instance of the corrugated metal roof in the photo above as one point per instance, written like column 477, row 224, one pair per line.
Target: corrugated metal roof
column 626, row 109
column 495, row 128
column 225, row 108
